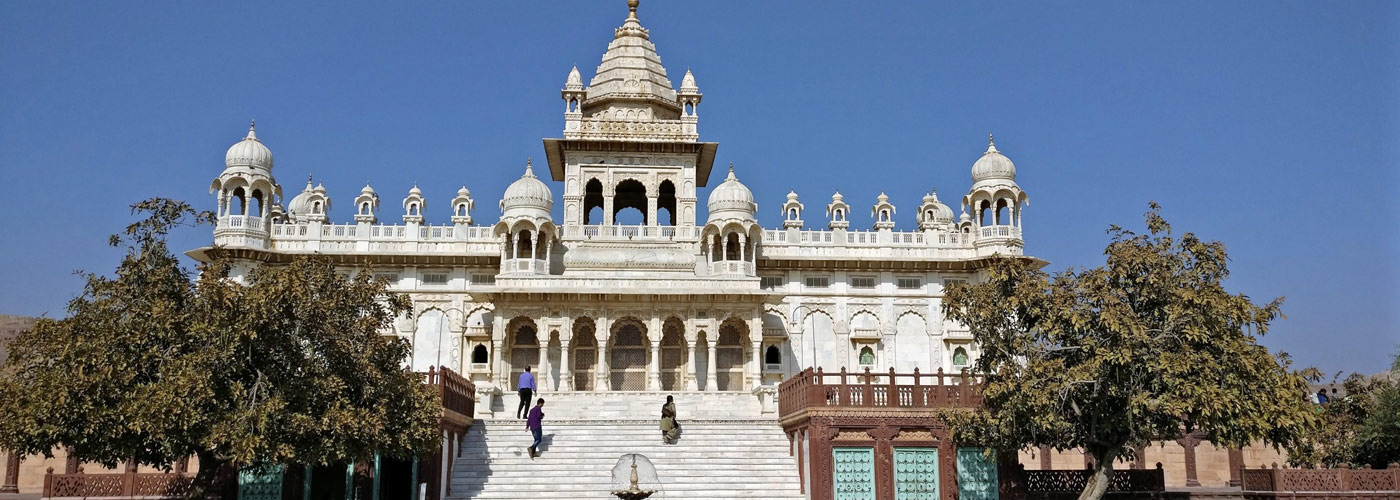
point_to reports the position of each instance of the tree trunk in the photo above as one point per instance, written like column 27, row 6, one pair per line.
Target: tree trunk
column 208, row 482
column 1098, row 482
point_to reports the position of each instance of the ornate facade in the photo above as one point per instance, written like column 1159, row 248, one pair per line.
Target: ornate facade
column 676, row 303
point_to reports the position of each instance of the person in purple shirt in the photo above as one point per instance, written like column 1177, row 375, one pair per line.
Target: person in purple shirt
column 533, row 423
column 526, row 386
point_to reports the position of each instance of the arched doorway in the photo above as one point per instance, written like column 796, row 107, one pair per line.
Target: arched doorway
column 524, row 349
column 627, row 356
column 911, row 345
column 585, row 355
column 729, row 355
column 673, row 354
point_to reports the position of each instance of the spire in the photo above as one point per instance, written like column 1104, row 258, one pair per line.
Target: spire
column 252, row 133
column 632, row 26
column 529, row 169
column 731, row 171
column 991, row 144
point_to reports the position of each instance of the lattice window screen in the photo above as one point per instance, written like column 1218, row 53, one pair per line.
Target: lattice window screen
column 853, row 473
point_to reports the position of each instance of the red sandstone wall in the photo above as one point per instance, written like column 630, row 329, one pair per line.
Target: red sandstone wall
column 32, row 469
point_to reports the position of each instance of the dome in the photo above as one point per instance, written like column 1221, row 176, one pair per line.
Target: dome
column 993, row 165
column 688, row 84
column 367, row 191
column 941, row 213
column 528, row 197
column 415, row 191
column 249, row 152
column 463, row 192
column 574, row 81
column 731, row 199
column 301, row 204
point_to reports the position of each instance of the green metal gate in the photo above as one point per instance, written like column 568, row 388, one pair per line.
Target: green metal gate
column 853, row 475
column 260, row 483
column 916, row 473
column 977, row 475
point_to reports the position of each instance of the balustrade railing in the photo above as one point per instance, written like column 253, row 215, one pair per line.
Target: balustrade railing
column 1000, row 232
column 1074, row 480
column 457, row 392
column 817, row 389
column 1332, row 480
column 639, row 232
column 123, row 484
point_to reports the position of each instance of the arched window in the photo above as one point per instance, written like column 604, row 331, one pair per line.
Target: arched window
column 731, row 247
column 573, row 105
column 524, row 247
column 840, row 215
column 884, row 216
column 867, row 356
column 666, row 204
column 593, row 200
column 772, row 356
column 240, row 203
column 258, row 197
column 462, row 210
column 928, row 216
column 959, row 357
column 364, row 208
column 413, row 209
column 630, row 194
column 479, row 355
column 316, row 208
column 792, row 213
column 689, row 109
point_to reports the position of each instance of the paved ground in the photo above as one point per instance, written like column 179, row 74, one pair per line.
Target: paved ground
column 19, row 496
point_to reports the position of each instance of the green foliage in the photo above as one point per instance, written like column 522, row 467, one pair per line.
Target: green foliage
column 152, row 364
column 1359, row 429
column 1141, row 348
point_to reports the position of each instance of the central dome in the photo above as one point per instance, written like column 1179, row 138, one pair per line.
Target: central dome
column 249, row 152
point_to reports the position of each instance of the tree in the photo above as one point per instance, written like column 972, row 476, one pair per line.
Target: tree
column 1147, row 346
column 286, row 368
column 1359, row 429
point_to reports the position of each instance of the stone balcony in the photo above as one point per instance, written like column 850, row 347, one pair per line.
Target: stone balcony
column 608, row 129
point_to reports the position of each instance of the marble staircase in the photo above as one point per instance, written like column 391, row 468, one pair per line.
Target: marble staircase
column 728, row 449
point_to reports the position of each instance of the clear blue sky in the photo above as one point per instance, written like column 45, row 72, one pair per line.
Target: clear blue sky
column 1269, row 125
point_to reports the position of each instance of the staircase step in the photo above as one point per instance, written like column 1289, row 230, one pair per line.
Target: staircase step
column 745, row 455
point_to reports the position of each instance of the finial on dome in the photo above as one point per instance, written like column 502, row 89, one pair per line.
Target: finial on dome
column 252, row 133
column 991, row 144
column 632, row 8
column 529, row 169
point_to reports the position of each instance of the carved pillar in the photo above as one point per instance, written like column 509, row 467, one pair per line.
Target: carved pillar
column 710, row 378
column 1236, row 463
column 602, row 378
column 566, row 374
column 654, row 366
column 757, row 373
column 651, row 211
column 884, row 460
column 1045, row 457
column 1188, row 444
column 608, row 209
column 689, row 373
column 70, row 465
column 502, row 371
column 819, row 444
column 11, row 484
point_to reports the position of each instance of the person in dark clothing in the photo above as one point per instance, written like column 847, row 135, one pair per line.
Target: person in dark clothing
column 1322, row 396
column 670, row 430
column 526, row 386
column 535, row 425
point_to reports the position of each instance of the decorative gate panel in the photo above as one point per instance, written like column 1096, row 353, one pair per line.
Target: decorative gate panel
column 977, row 475
column 729, row 360
column 916, row 473
column 853, row 473
column 256, row 483
column 673, row 355
column 584, row 359
column 525, row 351
column 627, row 359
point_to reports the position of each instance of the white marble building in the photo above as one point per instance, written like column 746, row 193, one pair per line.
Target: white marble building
column 673, row 304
